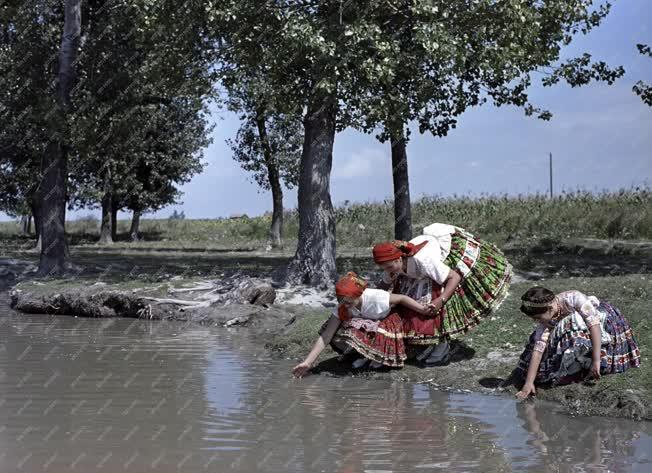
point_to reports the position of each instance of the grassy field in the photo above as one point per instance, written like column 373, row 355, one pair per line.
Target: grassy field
column 501, row 219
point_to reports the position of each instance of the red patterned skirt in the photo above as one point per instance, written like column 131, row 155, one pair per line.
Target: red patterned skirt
column 377, row 340
column 486, row 275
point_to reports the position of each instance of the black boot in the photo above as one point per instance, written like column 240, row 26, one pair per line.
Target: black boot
column 440, row 356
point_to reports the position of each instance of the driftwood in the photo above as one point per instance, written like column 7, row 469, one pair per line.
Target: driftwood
column 101, row 301
column 186, row 304
column 202, row 286
column 247, row 291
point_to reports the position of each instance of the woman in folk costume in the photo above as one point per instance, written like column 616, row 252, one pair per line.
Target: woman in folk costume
column 464, row 278
column 576, row 335
column 364, row 322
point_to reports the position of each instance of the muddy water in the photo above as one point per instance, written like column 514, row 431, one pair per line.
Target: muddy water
column 132, row 396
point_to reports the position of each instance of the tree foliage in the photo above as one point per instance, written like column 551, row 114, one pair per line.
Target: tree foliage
column 641, row 88
column 382, row 63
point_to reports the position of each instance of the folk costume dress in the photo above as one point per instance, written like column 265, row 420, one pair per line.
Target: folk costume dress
column 567, row 347
column 375, row 331
column 442, row 248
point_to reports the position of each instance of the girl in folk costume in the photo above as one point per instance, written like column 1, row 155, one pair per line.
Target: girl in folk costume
column 576, row 335
column 364, row 322
column 464, row 279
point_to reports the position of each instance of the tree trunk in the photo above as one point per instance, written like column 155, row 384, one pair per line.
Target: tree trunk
column 314, row 260
column 276, row 229
column 34, row 205
column 135, row 223
column 36, row 211
column 54, row 166
column 402, row 209
column 106, row 230
column 114, row 220
column 29, row 224
column 53, row 211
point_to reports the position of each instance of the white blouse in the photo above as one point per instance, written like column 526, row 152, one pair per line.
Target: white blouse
column 443, row 233
column 375, row 305
column 427, row 263
column 572, row 303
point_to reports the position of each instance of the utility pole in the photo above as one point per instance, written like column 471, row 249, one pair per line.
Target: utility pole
column 551, row 175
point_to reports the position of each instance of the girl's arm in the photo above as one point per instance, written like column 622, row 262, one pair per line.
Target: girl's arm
column 541, row 337
column 533, row 368
column 585, row 307
column 451, row 283
column 408, row 302
column 324, row 339
column 596, row 343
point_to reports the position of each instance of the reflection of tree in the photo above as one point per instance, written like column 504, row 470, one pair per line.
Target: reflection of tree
column 563, row 442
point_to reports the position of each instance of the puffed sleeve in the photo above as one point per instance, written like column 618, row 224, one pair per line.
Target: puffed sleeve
column 541, row 336
column 584, row 305
column 375, row 304
column 428, row 263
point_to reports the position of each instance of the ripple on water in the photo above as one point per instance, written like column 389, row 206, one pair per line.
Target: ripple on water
column 133, row 395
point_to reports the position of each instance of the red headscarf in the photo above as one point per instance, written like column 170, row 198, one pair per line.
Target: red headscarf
column 348, row 286
column 392, row 250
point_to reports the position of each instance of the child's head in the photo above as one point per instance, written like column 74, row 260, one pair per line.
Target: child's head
column 388, row 256
column 537, row 303
column 349, row 289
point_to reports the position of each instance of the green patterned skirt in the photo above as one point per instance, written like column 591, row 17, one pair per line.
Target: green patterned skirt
column 486, row 275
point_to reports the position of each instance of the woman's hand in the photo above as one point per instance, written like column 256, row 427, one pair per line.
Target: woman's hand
column 301, row 369
column 525, row 391
column 437, row 304
column 425, row 309
column 594, row 372
column 431, row 310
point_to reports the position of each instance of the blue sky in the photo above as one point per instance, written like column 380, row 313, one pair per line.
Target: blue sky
column 600, row 137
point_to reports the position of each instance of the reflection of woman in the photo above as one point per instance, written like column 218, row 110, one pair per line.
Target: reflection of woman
column 568, row 442
column 533, row 426
column 464, row 278
column 576, row 335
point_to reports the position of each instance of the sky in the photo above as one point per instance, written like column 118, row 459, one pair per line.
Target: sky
column 600, row 139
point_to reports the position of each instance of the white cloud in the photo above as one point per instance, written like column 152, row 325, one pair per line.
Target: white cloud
column 364, row 163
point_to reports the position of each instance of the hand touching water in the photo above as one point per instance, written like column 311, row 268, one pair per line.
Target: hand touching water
column 301, row 369
column 525, row 391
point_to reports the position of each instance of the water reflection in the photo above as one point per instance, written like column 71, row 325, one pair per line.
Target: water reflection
column 598, row 445
column 119, row 395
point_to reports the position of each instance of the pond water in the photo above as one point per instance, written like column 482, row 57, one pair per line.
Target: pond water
column 111, row 395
